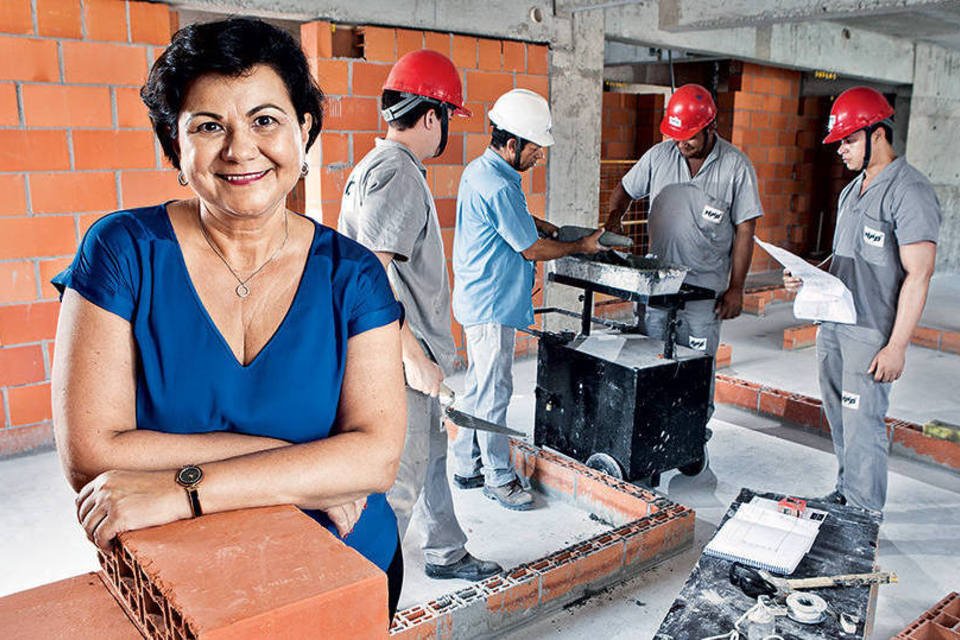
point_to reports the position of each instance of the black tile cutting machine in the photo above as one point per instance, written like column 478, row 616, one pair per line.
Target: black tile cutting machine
column 622, row 402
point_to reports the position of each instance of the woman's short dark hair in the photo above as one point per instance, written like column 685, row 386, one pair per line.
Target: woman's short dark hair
column 230, row 48
column 389, row 97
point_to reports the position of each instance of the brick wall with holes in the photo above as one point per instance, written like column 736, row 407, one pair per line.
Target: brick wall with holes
column 75, row 143
column 777, row 129
column 351, row 64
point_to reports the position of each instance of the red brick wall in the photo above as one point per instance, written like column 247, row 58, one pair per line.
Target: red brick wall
column 75, row 143
column 619, row 126
column 488, row 68
column 779, row 136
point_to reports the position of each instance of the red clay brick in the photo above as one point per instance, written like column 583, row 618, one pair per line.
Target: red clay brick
column 445, row 180
column 66, row 106
column 520, row 597
column 149, row 23
column 28, row 60
column 740, row 393
column 9, row 111
column 597, row 564
column 15, row 17
column 537, row 84
column 538, row 58
column 100, row 63
column 336, row 148
column 593, row 492
column 333, row 181
column 368, row 78
column 58, row 19
column 557, row 581
column 333, row 77
column 554, row 476
column 464, row 52
column 17, row 281
column 447, row 211
column 80, row 608
column 950, row 341
column 48, row 269
column 514, row 56
column 490, row 53
column 453, row 154
column 13, row 199
column 131, row 112
column 145, row 188
column 476, row 144
column 21, row 365
column 336, row 593
column 475, row 124
column 942, row 452
column 800, row 336
column 29, row 404
column 316, row 39
column 408, row 40
column 926, row 337
column 353, row 114
column 379, row 44
column 22, row 439
column 24, row 323
column 113, row 150
column 85, row 221
column 724, row 355
column 537, row 204
column 105, row 20
column 803, row 411
column 773, row 402
column 36, row 236
column 437, row 42
column 487, row 87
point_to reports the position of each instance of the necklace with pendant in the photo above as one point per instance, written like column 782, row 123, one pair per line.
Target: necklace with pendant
column 242, row 289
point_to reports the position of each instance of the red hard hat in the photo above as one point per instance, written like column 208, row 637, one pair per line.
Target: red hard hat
column 690, row 109
column 856, row 109
column 430, row 74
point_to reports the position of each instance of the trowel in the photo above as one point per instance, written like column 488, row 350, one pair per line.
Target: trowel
column 466, row 421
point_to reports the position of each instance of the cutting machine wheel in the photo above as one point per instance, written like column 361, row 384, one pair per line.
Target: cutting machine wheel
column 606, row 463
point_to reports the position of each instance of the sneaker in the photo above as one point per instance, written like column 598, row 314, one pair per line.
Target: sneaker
column 511, row 495
column 834, row 497
column 466, row 568
column 468, row 482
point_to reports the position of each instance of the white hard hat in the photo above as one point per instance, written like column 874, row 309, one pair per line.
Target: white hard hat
column 524, row 113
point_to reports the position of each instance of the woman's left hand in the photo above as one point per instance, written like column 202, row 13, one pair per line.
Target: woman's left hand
column 117, row 501
column 345, row 516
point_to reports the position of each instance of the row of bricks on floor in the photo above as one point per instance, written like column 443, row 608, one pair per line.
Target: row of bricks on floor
column 808, row 412
column 937, row 339
column 939, row 622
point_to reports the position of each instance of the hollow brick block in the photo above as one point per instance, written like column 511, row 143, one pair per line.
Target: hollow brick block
column 78, row 608
column 105, row 20
column 58, row 19
column 256, row 573
column 799, row 337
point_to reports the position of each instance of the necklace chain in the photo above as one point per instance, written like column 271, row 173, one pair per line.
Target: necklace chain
column 242, row 289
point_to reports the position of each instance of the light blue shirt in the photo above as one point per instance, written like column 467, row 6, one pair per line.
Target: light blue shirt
column 493, row 282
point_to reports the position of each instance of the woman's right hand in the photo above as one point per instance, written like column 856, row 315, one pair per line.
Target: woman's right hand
column 791, row 282
column 345, row 516
column 423, row 375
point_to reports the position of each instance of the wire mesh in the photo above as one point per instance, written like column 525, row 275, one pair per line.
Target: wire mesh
column 635, row 219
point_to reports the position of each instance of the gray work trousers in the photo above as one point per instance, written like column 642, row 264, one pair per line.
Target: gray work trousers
column 699, row 330
column 855, row 405
column 422, row 484
column 488, row 388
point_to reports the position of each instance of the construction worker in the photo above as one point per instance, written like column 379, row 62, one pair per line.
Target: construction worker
column 387, row 206
column 703, row 209
column 494, row 247
column 884, row 249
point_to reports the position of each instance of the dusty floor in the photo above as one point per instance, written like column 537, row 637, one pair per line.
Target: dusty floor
column 42, row 541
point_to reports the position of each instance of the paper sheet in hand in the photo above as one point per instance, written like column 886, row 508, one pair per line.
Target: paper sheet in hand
column 822, row 297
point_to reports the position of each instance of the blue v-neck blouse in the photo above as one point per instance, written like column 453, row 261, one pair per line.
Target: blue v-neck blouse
column 189, row 381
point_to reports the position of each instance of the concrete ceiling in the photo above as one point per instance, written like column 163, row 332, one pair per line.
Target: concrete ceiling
column 935, row 24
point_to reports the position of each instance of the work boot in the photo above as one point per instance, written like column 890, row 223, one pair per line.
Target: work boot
column 466, row 568
column 834, row 497
column 468, row 482
column 511, row 495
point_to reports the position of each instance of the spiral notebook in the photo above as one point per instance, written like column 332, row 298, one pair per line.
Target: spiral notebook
column 760, row 536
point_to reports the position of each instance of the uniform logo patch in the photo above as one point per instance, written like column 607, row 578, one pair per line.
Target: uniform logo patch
column 700, row 344
column 674, row 121
column 873, row 237
column 711, row 214
column 850, row 400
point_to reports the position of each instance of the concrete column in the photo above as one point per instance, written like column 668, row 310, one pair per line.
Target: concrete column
column 576, row 102
column 933, row 137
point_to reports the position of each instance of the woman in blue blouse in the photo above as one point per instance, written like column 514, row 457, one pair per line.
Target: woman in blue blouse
column 223, row 352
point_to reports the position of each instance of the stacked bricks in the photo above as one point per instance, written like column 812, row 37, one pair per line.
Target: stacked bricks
column 724, row 355
column 618, row 128
column 807, row 412
column 75, row 142
column 939, row 622
column 255, row 573
column 488, row 68
column 645, row 530
column 755, row 301
column 778, row 131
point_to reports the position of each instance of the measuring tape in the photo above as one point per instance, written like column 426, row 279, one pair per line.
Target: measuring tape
column 806, row 608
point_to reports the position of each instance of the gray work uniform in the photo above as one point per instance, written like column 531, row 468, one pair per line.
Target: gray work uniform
column 898, row 208
column 692, row 222
column 387, row 207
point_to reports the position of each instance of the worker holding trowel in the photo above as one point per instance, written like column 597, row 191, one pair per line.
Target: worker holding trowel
column 704, row 206
column 387, row 206
column 884, row 250
column 494, row 248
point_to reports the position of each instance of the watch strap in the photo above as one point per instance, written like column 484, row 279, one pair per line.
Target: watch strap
column 194, row 496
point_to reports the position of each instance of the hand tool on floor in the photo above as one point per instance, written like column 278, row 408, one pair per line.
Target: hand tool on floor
column 757, row 582
column 466, row 421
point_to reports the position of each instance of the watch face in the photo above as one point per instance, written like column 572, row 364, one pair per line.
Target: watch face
column 189, row 475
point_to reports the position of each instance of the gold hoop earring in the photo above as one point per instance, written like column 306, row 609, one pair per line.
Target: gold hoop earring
column 182, row 179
